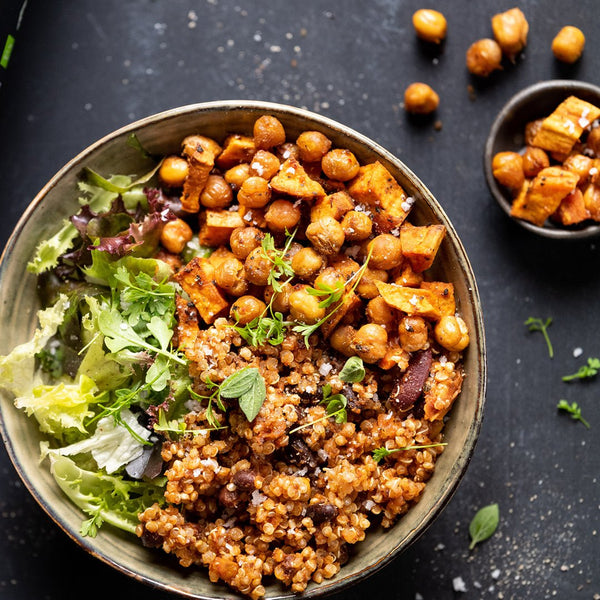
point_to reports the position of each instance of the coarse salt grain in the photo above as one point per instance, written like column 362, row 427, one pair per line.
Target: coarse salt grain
column 495, row 573
column 258, row 168
column 212, row 463
column 583, row 122
column 577, row 352
column 325, row 369
column 408, row 202
column 593, row 171
column 257, row 498
column 458, row 584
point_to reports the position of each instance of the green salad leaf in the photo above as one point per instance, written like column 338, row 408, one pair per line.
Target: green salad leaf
column 353, row 370
column 484, row 524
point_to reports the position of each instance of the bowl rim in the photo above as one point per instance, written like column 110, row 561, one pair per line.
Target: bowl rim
column 520, row 99
column 458, row 470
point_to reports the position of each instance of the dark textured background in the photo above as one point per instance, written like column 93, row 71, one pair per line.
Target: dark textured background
column 81, row 69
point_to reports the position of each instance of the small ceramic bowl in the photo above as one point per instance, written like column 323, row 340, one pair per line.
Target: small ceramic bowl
column 162, row 134
column 507, row 134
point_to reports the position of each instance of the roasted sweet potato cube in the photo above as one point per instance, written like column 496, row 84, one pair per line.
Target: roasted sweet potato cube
column 443, row 295
column 572, row 209
column 420, row 244
column 335, row 205
column 187, row 326
column 591, row 200
column 561, row 129
column 219, row 255
column 201, row 163
column 412, row 301
column 375, row 187
column 216, row 226
column 344, row 265
column 408, row 278
column 253, row 217
column 292, row 180
column 350, row 301
column 200, row 143
column 236, row 149
column 540, row 198
column 197, row 280
column 395, row 356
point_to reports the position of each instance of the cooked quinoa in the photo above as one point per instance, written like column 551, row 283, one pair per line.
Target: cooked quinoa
column 285, row 494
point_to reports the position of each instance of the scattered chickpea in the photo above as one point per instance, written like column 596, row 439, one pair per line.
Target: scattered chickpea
column 230, row 276
column 254, row 193
column 268, row 132
column 312, row 146
column 341, row 340
column 421, row 99
column 370, row 342
column 246, row 309
column 304, row 307
column 593, row 141
column 531, row 130
column 245, row 239
column 380, row 312
column 282, row 215
column 281, row 300
column 216, row 193
column 568, row 44
column 357, row 226
column 534, row 160
column 413, row 333
column 288, row 150
column 237, row 175
column 258, row 267
column 264, row 164
column 366, row 287
column 451, row 332
column 386, row 251
column 329, row 277
column 430, row 25
column 306, row 263
column 483, row 57
column 510, row 30
column 175, row 235
column 326, row 235
column 507, row 168
column 173, row 171
column 340, row 164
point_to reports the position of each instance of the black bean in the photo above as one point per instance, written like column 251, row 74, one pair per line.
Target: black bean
column 228, row 498
column 244, row 480
column 319, row 513
column 151, row 539
column 299, row 454
column 408, row 389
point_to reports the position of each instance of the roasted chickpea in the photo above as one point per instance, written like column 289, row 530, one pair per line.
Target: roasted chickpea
column 534, row 160
column 264, row 164
column 531, row 130
column 591, row 199
column 216, row 193
column 245, row 239
column 357, row 226
column 268, row 132
column 430, row 25
column 175, row 235
column 420, row 99
column 304, row 307
column 340, row 164
column 281, row 300
column 254, row 193
column 366, row 287
column 386, row 251
column 306, row 263
column 483, row 57
column 192, row 143
column 580, row 165
column 510, row 30
column 341, row 340
column 452, row 333
column 288, row 150
column 312, row 146
column 257, row 267
column 231, row 277
column 568, row 44
column 326, row 235
column 236, row 176
column 593, row 141
column 370, row 342
column 380, row 312
column 282, row 215
column 329, row 278
column 246, row 309
column 173, row 171
column 413, row 333
column 507, row 168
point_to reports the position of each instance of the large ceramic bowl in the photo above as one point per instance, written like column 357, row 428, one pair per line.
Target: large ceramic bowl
column 161, row 134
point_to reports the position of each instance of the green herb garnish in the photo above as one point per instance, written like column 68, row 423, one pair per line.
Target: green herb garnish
column 574, row 410
column 484, row 524
column 353, row 370
column 589, row 370
column 177, row 427
column 380, row 453
column 329, row 294
column 282, row 267
column 335, row 407
column 264, row 328
column 536, row 324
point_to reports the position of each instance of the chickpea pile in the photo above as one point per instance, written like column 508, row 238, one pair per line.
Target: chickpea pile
column 264, row 201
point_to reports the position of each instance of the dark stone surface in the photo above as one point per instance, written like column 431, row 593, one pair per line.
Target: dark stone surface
column 81, row 69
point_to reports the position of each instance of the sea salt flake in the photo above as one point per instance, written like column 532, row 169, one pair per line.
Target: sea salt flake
column 325, row 369
column 593, row 171
column 577, row 352
column 495, row 573
column 458, row 585
column 583, row 122
column 257, row 498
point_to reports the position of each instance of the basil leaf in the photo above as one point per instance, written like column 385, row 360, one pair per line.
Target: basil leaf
column 252, row 401
column 353, row 371
column 484, row 524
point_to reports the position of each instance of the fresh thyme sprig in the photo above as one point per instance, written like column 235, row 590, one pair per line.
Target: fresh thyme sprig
column 381, row 453
column 574, row 410
column 329, row 294
column 536, row 324
column 282, row 267
column 335, row 407
column 585, row 371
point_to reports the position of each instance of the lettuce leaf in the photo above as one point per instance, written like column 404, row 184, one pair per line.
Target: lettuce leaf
column 105, row 498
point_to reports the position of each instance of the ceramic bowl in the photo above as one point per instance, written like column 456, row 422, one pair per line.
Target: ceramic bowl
column 507, row 134
column 162, row 134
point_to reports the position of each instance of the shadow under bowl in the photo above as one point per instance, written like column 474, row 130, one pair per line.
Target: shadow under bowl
column 162, row 134
column 507, row 134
